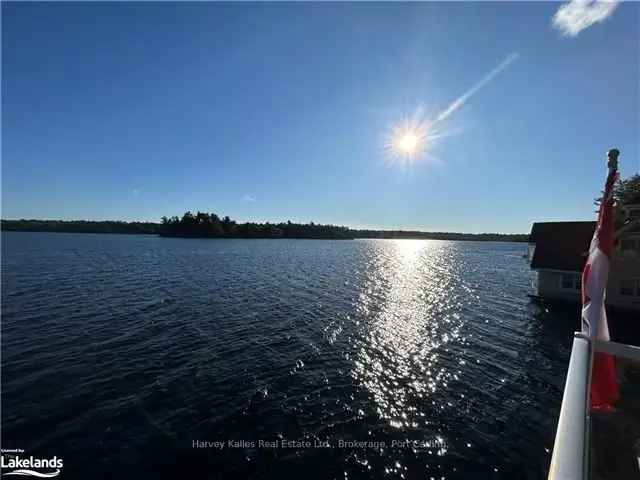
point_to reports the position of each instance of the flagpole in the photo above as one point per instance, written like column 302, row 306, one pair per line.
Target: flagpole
column 612, row 159
column 612, row 166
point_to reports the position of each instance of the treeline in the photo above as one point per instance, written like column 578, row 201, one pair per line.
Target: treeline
column 407, row 234
column 209, row 225
column 80, row 226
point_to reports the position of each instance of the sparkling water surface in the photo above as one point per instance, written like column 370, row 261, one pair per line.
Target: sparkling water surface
column 391, row 358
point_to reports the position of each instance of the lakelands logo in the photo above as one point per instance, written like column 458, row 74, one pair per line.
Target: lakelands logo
column 18, row 464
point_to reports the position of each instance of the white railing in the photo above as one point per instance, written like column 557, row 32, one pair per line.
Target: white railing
column 630, row 352
column 570, row 459
column 570, row 451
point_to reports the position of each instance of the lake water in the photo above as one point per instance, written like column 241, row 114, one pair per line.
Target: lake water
column 119, row 352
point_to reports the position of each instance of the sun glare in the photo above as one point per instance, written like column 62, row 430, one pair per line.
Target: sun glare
column 408, row 143
column 413, row 139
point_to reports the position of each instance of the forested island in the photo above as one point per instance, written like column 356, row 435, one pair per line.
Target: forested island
column 409, row 234
column 210, row 225
column 79, row 226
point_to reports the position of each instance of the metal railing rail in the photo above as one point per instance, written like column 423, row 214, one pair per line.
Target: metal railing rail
column 630, row 352
column 570, row 459
column 570, row 451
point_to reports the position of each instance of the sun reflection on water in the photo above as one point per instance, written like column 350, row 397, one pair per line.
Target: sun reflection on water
column 409, row 312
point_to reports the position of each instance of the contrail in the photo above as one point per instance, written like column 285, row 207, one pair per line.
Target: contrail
column 462, row 99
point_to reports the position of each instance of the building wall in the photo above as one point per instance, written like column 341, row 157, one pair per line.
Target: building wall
column 625, row 271
column 550, row 285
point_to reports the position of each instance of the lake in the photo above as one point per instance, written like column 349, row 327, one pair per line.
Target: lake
column 138, row 356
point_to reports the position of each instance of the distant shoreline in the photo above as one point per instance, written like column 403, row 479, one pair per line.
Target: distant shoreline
column 275, row 231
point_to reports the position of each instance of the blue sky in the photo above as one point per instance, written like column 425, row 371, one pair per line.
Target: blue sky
column 279, row 111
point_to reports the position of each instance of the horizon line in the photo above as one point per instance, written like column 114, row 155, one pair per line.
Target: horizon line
column 376, row 229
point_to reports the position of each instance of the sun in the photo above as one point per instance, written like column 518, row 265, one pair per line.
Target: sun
column 407, row 140
column 413, row 139
column 407, row 143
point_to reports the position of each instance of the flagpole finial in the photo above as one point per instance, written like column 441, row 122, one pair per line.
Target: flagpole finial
column 612, row 159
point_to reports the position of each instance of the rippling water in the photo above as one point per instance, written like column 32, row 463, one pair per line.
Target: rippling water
column 118, row 352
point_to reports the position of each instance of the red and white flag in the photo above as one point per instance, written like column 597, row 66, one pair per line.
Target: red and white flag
column 604, row 387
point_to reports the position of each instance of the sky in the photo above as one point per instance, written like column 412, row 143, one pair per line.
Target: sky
column 280, row 111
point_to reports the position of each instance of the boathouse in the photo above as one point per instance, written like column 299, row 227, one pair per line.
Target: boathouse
column 559, row 250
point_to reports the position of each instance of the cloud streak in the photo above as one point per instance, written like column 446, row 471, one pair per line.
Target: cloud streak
column 462, row 99
column 577, row 15
column 249, row 198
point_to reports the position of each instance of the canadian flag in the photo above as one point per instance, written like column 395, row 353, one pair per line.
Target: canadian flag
column 604, row 387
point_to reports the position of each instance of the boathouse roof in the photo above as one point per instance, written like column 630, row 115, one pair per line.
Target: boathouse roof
column 561, row 245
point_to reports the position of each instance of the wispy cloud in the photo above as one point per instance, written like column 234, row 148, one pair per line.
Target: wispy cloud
column 249, row 198
column 462, row 99
column 576, row 15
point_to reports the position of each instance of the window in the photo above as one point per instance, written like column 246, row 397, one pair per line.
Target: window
column 629, row 245
column 571, row 281
column 633, row 213
column 630, row 287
